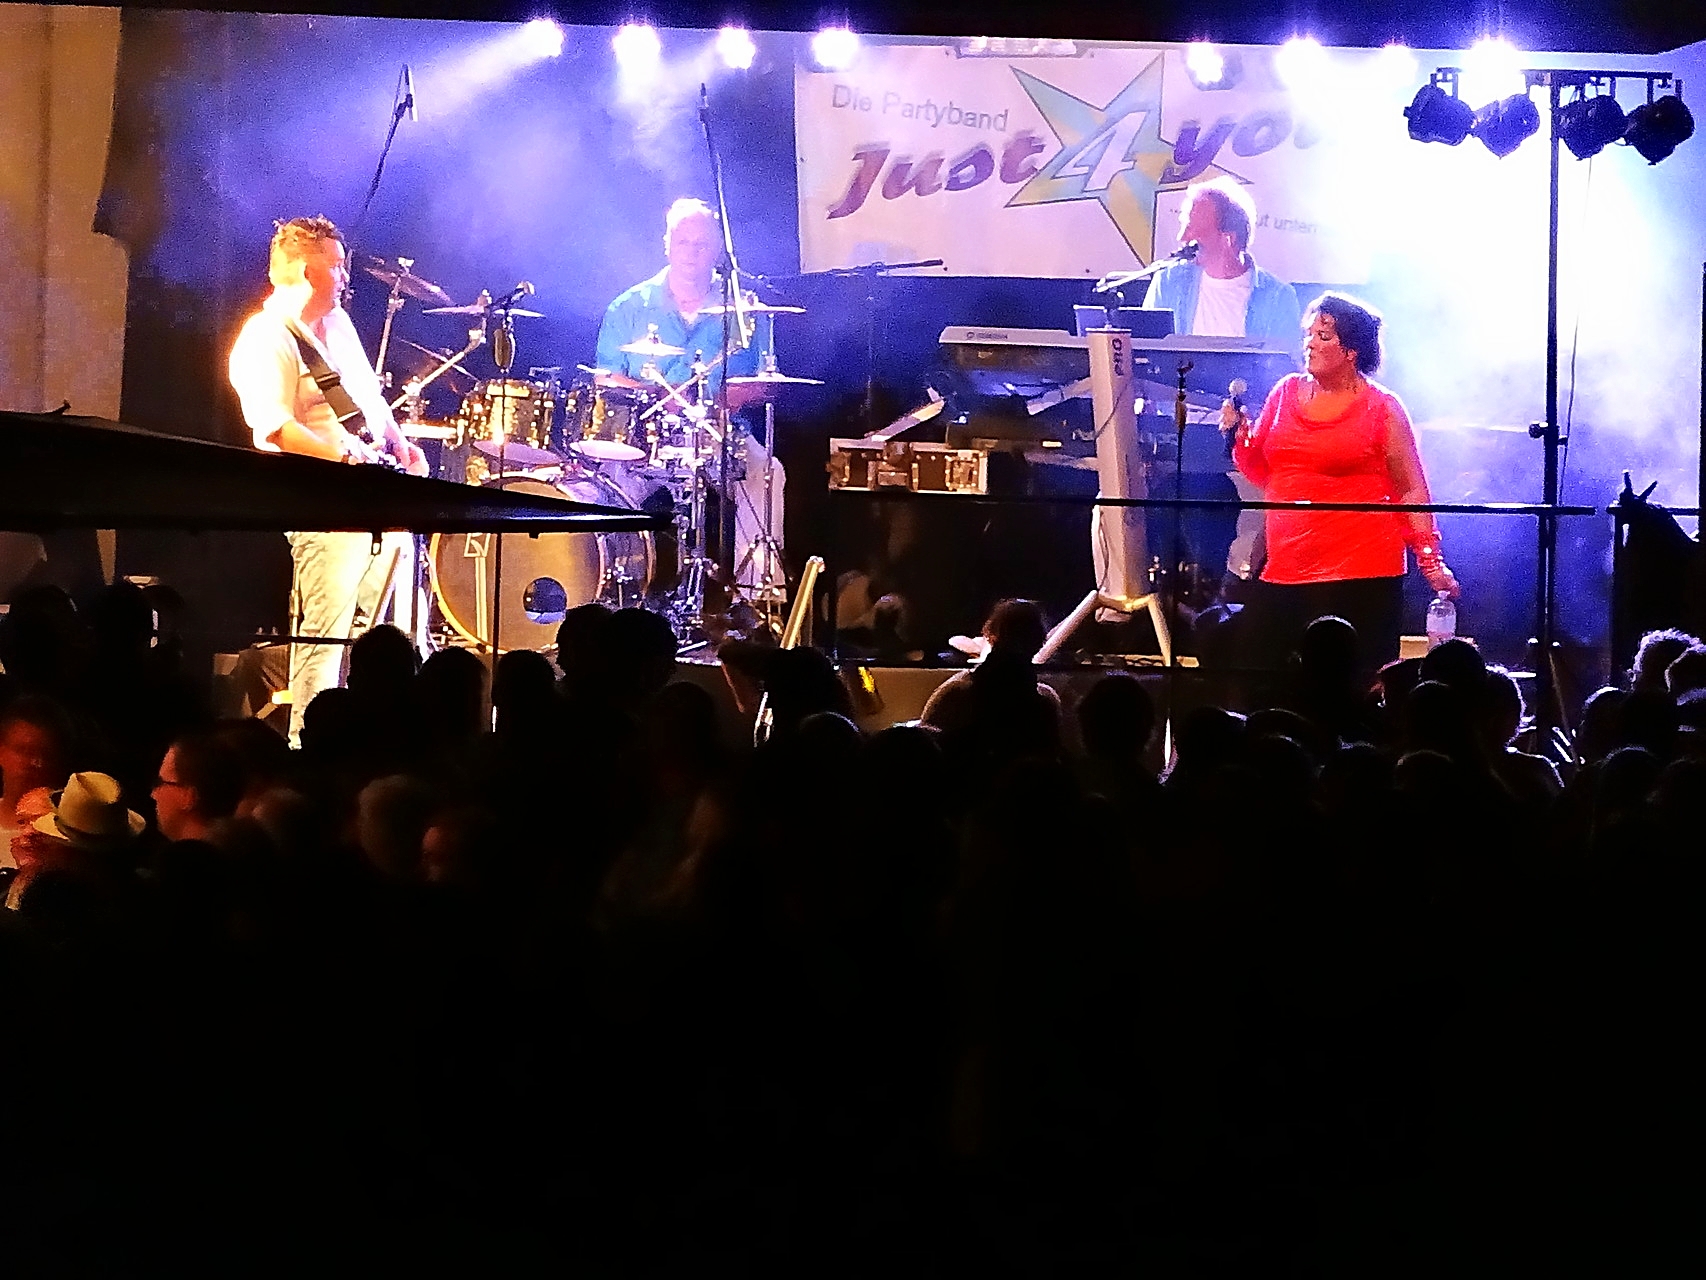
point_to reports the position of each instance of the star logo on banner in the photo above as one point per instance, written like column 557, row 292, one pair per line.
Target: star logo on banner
column 1114, row 154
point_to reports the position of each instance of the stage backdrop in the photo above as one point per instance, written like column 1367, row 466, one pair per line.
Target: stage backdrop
column 1073, row 165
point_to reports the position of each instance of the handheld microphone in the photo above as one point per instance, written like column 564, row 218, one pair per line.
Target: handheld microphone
column 409, row 94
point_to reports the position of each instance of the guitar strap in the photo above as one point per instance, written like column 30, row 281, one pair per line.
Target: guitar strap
column 330, row 382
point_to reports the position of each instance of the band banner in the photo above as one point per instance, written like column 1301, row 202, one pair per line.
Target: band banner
column 1074, row 165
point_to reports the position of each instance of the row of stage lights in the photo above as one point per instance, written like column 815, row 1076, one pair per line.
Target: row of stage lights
column 639, row 49
column 1587, row 124
column 1591, row 121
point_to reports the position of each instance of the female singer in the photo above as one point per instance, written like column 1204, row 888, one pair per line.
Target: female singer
column 1331, row 434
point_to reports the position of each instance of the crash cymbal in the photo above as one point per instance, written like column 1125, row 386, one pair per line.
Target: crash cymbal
column 399, row 276
column 480, row 309
column 437, row 353
column 652, row 347
column 774, row 380
column 755, row 309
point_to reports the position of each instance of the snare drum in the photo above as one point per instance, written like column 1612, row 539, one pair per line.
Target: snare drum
column 604, row 423
column 544, row 576
column 511, row 418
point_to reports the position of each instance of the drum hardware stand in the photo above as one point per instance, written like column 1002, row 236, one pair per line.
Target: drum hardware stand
column 687, row 609
column 770, row 595
column 393, row 304
column 414, row 387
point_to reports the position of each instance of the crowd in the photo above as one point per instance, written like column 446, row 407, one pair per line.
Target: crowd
column 1354, row 984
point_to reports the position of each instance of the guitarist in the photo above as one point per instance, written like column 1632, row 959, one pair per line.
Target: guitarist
column 306, row 386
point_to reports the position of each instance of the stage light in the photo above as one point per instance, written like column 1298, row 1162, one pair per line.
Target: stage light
column 1588, row 125
column 835, row 48
column 1204, row 63
column 735, row 48
column 544, row 38
column 1300, row 61
column 1492, row 68
column 1655, row 128
column 1436, row 116
column 637, row 47
column 1506, row 124
column 1210, row 69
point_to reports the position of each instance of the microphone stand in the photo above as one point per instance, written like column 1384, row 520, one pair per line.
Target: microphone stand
column 870, row 274
column 503, row 355
column 1178, row 567
column 404, row 100
column 734, row 317
column 1115, row 281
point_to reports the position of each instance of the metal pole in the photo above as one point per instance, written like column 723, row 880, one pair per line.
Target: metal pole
column 1547, row 566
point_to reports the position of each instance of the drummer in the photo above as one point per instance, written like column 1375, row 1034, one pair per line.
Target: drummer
column 678, row 302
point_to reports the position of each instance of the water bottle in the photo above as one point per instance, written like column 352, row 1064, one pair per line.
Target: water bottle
column 1442, row 619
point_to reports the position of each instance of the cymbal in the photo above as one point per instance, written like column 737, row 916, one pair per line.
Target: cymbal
column 755, row 309
column 480, row 309
column 435, row 352
column 652, row 347
column 516, row 454
column 774, row 380
column 402, row 279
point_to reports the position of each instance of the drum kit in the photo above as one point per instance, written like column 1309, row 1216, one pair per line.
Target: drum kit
column 598, row 437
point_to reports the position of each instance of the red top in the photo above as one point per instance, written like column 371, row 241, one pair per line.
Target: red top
column 1341, row 459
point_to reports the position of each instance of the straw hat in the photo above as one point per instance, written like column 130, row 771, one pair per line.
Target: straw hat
column 90, row 815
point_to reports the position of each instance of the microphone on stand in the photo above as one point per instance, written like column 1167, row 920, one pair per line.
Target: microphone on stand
column 515, row 295
column 1187, row 252
column 704, row 106
column 409, row 94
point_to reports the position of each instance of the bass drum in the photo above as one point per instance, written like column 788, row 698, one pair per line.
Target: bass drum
column 544, row 576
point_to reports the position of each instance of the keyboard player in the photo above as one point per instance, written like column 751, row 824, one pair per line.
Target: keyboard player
column 1222, row 293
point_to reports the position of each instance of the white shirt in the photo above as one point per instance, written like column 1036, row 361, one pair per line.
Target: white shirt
column 1222, row 306
column 273, row 383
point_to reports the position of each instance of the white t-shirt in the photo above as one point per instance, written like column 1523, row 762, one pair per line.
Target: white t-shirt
column 1222, row 306
column 273, row 383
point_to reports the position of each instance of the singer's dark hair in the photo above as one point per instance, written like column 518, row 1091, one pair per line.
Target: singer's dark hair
column 1356, row 323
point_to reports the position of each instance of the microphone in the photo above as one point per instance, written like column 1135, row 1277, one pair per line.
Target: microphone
column 1187, row 252
column 704, row 106
column 522, row 290
column 1235, row 393
column 409, row 94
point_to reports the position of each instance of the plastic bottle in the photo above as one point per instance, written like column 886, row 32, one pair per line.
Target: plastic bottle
column 1442, row 619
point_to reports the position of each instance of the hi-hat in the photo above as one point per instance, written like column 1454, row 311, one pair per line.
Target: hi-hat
column 481, row 309
column 755, row 309
column 652, row 347
column 773, row 379
column 399, row 276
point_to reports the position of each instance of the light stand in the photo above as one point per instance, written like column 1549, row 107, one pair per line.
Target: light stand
column 1550, row 711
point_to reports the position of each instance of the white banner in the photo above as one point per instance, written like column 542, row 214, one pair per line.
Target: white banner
column 1074, row 166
